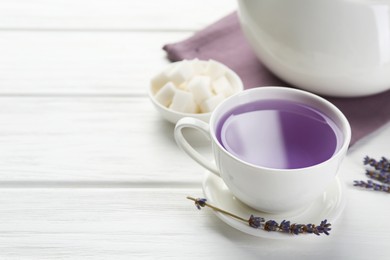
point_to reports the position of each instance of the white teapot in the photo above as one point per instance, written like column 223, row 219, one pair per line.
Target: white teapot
column 330, row 47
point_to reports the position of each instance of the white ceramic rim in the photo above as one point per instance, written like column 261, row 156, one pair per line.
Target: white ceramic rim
column 345, row 125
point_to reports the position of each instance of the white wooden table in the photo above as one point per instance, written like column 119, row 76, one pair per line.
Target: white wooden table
column 89, row 170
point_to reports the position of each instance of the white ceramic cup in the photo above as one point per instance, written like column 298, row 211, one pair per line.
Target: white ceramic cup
column 263, row 188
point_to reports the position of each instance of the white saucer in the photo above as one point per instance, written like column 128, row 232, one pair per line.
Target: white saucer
column 328, row 206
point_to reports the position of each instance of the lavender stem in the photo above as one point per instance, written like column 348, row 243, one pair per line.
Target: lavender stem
column 217, row 209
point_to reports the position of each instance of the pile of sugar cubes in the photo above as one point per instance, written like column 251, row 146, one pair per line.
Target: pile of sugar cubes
column 192, row 86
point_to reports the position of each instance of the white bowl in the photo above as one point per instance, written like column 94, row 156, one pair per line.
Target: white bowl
column 174, row 116
column 331, row 47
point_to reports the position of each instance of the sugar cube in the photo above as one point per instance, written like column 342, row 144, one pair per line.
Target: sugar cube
column 200, row 86
column 214, row 69
column 222, row 86
column 183, row 101
column 181, row 73
column 199, row 66
column 165, row 95
column 158, row 81
column 210, row 104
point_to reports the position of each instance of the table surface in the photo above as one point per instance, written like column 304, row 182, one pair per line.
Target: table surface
column 88, row 168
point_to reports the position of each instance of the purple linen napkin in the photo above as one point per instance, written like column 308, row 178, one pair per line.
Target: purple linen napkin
column 224, row 41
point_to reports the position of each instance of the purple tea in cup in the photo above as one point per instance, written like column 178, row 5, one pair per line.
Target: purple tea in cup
column 269, row 142
column 278, row 134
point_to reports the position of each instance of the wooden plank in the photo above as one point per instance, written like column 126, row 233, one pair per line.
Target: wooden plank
column 160, row 223
column 95, row 139
column 112, row 15
column 112, row 140
column 98, row 63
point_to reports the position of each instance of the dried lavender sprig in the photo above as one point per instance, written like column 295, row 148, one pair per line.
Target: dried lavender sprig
column 270, row 225
column 369, row 184
column 382, row 165
column 381, row 176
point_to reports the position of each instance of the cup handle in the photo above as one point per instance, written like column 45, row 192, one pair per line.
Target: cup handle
column 188, row 122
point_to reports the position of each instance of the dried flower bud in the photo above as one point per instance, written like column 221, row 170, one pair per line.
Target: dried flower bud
column 285, row 226
column 324, row 227
column 200, row 203
column 297, row 228
column 311, row 228
column 255, row 222
column 271, row 225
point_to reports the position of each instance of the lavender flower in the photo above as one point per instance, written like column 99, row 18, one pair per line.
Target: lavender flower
column 270, row 225
column 284, row 226
column 297, row 229
column 369, row 184
column 382, row 165
column 381, row 176
column 324, row 227
column 255, row 222
column 311, row 228
column 200, row 203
